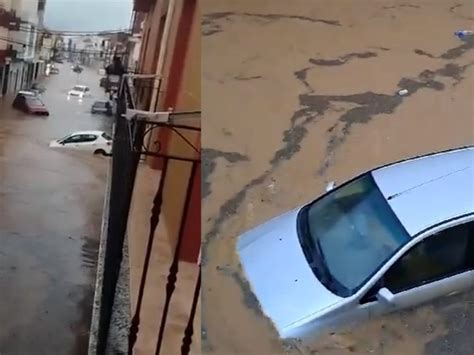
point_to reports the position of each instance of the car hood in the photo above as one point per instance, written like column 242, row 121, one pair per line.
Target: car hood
column 279, row 275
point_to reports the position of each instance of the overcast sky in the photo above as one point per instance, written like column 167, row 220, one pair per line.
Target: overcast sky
column 88, row 15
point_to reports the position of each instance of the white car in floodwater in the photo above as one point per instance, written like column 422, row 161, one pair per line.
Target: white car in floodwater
column 79, row 91
column 97, row 142
column 392, row 238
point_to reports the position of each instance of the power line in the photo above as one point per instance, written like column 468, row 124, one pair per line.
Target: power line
column 64, row 34
column 72, row 33
column 105, row 52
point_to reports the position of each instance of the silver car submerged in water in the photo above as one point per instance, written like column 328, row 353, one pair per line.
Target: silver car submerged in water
column 396, row 237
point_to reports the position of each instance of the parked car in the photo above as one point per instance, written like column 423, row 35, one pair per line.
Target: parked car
column 102, row 106
column 97, row 142
column 395, row 237
column 54, row 70
column 79, row 91
column 29, row 102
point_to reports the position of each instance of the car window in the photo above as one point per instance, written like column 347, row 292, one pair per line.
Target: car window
column 106, row 136
column 444, row 254
column 77, row 138
column 438, row 256
column 89, row 138
column 34, row 101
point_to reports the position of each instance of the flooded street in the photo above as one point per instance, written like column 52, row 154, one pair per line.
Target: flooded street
column 299, row 94
column 50, row 216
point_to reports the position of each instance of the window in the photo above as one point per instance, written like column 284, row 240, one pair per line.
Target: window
column 86, row 138
column 106, row 136
column 348, row 234
column 444, row 254
column 80, row 138
column 35, row 101
column 73, row 139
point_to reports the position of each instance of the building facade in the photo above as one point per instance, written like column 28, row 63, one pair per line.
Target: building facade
column 21, row 26
column 170, row 49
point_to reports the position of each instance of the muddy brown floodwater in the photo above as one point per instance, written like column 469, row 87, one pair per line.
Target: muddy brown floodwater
column 50, row 215
column 300, row 93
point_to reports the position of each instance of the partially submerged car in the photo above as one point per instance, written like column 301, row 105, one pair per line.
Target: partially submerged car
column 102, row 106
column 97, row 142
column 79, row 91
column 395, row 237
column 77, row 68
column 29, row 102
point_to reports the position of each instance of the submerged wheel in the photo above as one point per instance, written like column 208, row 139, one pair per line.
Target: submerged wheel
column 99, row 152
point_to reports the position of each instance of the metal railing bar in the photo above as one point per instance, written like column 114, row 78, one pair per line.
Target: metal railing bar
column 189, row 331
column 154, row 221
column 174, row 268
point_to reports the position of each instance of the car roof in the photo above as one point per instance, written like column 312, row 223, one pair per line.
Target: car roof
column 80, row 86
column 26, row 93
column 97, row 133
column 428, row 190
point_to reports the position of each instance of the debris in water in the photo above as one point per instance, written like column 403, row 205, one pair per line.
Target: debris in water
column 402, row 92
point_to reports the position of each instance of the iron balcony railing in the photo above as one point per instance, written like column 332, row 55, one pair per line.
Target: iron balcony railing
column 127, row 150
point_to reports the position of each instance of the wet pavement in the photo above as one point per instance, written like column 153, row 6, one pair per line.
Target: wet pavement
column 299, row 94
column 50, row 216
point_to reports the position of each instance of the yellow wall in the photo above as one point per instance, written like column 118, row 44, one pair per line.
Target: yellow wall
column 189, row 99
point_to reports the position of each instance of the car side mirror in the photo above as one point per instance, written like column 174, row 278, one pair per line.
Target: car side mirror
column 386, row 296
column 330, row 186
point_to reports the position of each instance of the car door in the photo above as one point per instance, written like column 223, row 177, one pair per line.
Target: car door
column 440, row 265
column 87, row 142
column 73, row 141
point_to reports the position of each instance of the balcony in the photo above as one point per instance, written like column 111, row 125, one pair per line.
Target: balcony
column 5, row 18
column 6, row 54
column 147, row 296
column 14, row 22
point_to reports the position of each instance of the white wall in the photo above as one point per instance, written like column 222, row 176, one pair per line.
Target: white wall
column 27, row 10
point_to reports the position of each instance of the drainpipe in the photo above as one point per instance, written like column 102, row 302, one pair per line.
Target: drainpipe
column 3, row 78
column 161, row 57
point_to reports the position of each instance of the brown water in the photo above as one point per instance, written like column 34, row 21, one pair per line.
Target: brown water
column 300, row 93
column 50, row 216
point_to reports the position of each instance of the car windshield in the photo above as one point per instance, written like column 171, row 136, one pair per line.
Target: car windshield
column 348, row 234
column 34, row 101
column 79, row 88
column 106, row 136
